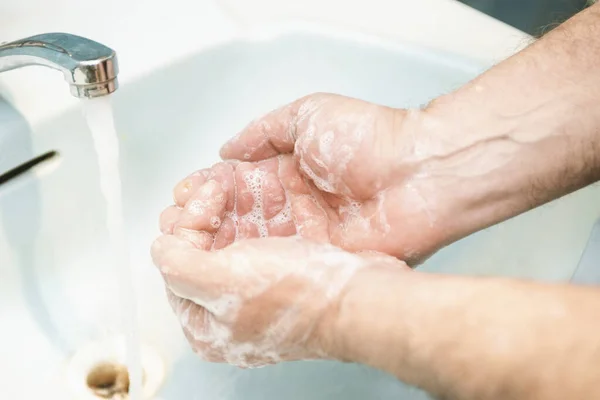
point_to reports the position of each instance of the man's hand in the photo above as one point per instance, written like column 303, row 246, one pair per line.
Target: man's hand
column 329, row 168
column 260, row 302
column 264, row 301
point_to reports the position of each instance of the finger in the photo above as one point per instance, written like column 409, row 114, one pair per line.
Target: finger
column 247, row 185
column 277, row 208
column 249, row 229
column 200, row 239
column 275, row 133
column 226, row 234
column 272, row 134
column 310, row 218
column 186, row 187
column 290, row 176
column 273, row 196
column 168, row 219
column 165, row 244
column 260, row 199
column 281, row 225
column 199, row 276
column 220, row 172
column 383, row 259
column 252, row 180
column 205, row 209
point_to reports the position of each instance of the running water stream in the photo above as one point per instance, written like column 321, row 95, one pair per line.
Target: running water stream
column 99, row 116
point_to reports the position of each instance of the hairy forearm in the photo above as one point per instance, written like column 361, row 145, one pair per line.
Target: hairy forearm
column 524, row 133
column 473, row 338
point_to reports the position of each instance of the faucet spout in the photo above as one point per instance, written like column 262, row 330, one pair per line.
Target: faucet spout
column 89, row 67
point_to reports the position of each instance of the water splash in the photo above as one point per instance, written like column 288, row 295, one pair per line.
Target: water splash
column 99, row 116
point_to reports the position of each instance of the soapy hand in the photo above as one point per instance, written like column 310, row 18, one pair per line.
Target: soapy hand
column 326, row 167
column 259, row 301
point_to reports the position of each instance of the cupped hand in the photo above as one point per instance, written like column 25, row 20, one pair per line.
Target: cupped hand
column 260, row 301
column 325, row 167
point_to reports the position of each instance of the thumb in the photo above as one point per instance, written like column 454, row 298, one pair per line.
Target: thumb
column 263, row 138
column 274, row 133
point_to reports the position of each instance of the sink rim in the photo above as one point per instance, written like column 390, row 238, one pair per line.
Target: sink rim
column 275, row 31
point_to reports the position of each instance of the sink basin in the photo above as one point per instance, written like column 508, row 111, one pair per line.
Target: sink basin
column 58, row 293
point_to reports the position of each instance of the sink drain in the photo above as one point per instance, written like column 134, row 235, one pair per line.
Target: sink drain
column 98, row 371
column 109, row 380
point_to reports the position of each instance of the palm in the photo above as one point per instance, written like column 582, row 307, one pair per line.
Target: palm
column 268, row 198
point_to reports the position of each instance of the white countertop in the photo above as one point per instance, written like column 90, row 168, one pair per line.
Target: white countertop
column 148, row 34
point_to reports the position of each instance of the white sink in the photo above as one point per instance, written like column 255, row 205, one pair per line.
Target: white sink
column 57, row 292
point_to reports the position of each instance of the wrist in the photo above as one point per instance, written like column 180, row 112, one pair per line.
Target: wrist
column 495, row 151
column 432, row 194
column 467, row 170
column 363, row 323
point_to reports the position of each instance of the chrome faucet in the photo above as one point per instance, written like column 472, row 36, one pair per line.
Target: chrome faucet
column 89, row 67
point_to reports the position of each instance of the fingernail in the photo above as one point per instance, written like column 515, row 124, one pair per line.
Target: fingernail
column 186, row 185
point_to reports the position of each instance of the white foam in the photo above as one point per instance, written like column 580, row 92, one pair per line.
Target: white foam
column 254, row 180
column 352, row 208
column 284, row 216
column 255, row 183
column 196, row 207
